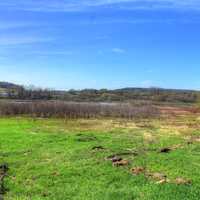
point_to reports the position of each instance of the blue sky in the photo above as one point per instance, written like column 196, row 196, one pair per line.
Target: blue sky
column 79, row 44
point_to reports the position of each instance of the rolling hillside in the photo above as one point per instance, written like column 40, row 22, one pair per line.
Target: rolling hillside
column 5, row 87
column 10, row 90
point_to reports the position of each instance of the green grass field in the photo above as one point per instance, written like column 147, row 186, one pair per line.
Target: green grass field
column 55, row 159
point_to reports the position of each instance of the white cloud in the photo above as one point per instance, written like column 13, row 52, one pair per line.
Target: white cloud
column 118, row 50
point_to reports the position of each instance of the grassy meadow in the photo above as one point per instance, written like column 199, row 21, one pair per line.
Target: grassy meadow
column 56, row 159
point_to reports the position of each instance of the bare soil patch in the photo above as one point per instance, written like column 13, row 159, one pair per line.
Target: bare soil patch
column 182, row 181
column 137, row 170
column 177, row 111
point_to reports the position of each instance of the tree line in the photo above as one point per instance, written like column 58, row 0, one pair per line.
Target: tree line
column 104, row 95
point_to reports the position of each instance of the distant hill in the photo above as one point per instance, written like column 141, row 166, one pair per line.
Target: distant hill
column 131, row 94
column 8, row 89
column 7, row 85
column 14, row 91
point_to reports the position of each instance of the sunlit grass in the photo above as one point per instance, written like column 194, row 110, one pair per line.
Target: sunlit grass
column 54, row 158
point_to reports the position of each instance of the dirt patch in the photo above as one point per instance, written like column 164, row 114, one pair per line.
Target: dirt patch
column 193, row 139
column 182, row 181
column 176, row 111
column 165, row 150
column 165, row 180
column 86, row 138
column 172, row 148
column 121, row 163
column 157, row 176
column 114, row 158
column 98, row 148
column 137, row 170
column 56, row 173
column 145, row 125
column 117, row 161
column 149, row 138
column 125, row 153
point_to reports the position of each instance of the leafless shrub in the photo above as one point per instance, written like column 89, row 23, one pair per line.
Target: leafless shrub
column 76, row 110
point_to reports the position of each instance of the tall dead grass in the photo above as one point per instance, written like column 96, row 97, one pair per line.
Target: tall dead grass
column 76, row 110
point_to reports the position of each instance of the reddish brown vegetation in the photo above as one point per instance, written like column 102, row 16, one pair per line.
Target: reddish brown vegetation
column 76, row 110
column 172, row 110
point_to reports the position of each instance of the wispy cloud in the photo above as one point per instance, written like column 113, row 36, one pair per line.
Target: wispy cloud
column 51, row 53
column 147, row 83
column 4, row 26
column 10, row 25
column 14, row 40
column 15, row 24
column 83, row 5
column 118, row 50
column 149, row 70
